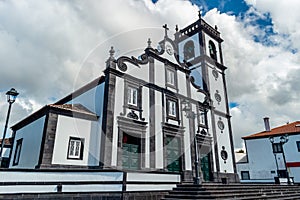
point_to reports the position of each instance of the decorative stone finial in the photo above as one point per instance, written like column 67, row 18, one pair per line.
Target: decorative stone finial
column 111, row 52
column 149, row 43
column 199, row 14
column 216, row 27
column 176, row 28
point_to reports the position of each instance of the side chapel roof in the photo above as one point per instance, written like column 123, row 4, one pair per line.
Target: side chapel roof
column 72, row 110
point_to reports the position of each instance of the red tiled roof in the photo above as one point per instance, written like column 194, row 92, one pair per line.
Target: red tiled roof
column 290, row 128
column 73, row 107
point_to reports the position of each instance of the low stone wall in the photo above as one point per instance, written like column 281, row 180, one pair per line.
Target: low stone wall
column 85, row 184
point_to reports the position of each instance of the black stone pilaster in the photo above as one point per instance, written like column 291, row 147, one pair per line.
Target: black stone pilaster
column 108, row 120
column 152, row 113
column 46, row 153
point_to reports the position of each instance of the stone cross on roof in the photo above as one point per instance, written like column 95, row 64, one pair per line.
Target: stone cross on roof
column 166, row 29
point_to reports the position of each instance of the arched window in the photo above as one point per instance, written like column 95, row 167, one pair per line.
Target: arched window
column 212, row 50
column 189, row 50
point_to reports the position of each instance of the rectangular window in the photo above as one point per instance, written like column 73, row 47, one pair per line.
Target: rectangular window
column 18, row 151
column 170, row 77
column 245, row 175
column 172, row 109
column 277, row 148
column 75, row 149
column 132, row 96
column 202, row 118
column 298, row 145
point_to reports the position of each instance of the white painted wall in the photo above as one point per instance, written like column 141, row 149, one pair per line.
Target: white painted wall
column 32, row 137
column 168, row 56
column 159, row 73
column 139, row 72
column 181, row 83
column 224, row 140
column 151, row 181
column 31, row 177
column 119, row 103
column 73, row 127
column 217, row 84
column 290, row 148
column 146, row 113
column 159, row 152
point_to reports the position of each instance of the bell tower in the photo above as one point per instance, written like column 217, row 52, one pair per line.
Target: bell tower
column 199, row 49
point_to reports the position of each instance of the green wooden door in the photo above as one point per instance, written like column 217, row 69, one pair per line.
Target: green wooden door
column 205, row 167
column 173, row 154
column 130, row 156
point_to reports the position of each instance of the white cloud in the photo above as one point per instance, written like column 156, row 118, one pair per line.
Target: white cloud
column 261, row 79
column 49, row 47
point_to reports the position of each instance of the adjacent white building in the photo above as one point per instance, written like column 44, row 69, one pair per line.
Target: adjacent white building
column 272, row 153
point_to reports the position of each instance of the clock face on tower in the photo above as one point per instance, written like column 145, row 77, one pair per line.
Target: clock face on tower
column 169, row 49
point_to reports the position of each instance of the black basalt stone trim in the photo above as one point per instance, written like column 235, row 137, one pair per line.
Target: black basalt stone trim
column 31, row 118
column 74, row 114
column 43, row 141
column 152, row 112
column 108, row 119
column 48, row 147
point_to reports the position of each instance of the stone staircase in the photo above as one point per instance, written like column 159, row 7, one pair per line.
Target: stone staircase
column 234, row 191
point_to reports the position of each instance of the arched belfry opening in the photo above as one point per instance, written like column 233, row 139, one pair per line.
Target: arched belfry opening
column 189, row 50
column 212, row 50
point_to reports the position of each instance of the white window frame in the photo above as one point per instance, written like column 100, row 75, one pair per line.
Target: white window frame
column 172, row 108
column 132, row 96
column 170, row 77
column 75, row 148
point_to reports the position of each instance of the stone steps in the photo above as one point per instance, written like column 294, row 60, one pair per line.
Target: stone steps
column 234, row 191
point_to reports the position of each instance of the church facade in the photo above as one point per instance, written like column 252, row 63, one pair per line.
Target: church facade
column 164, row 112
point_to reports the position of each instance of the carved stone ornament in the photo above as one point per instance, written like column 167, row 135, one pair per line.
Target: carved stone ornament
column 203, row 132
column 221, row 125
column 224, row 154
column 132, row 115
column 215, row 73
column 218, row 97
column 143, row 59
